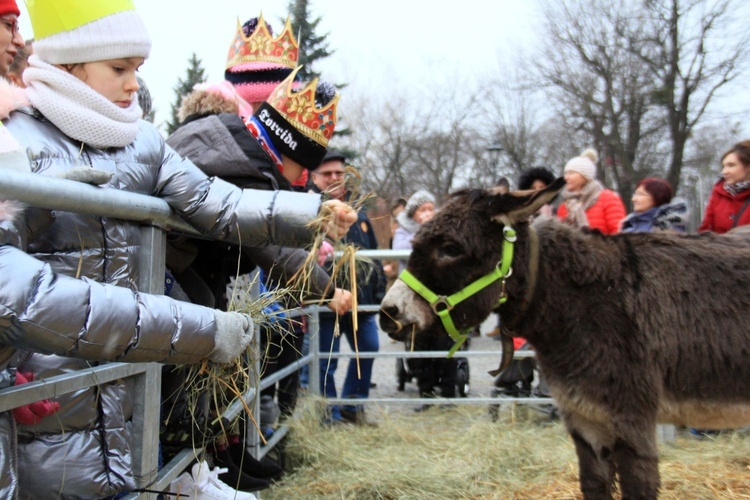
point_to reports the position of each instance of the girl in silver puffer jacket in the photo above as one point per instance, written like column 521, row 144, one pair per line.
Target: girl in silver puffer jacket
column 81, row 84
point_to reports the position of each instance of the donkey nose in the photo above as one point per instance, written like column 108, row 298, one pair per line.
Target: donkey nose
column 388, row 318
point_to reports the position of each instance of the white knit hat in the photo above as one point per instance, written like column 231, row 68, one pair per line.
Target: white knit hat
column 584, row 164
column 416, row 200
column 79, row 31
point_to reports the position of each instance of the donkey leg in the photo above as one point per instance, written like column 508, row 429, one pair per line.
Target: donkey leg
column 596, row 469
column 637, row 461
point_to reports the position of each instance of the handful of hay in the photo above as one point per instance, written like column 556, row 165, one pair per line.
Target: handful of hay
column 228, row 383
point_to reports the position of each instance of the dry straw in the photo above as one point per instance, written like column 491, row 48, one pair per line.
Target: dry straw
column 226, row 383
column 458, row 453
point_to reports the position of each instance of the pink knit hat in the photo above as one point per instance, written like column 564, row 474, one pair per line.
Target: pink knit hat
column 258, row 62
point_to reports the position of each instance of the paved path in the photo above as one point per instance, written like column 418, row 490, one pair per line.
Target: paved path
column 384, row 370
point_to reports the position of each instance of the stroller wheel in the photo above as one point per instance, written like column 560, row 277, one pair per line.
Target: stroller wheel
column 462, row 379
column 401, row 375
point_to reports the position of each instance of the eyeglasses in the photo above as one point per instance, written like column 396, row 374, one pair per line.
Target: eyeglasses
column 11, row 23
column 331, row 173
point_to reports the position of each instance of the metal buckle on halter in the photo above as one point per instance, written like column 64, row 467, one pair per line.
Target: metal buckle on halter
column 503, row 292
column 442, row 300
column 509, row 234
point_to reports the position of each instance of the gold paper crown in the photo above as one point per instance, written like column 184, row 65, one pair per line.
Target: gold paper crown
column 299, row 109
column 261, row 46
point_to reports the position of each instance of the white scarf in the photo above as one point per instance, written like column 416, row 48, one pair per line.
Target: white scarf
column 77, row 110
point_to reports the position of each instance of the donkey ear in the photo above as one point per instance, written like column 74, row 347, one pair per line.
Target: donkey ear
column 528, row 202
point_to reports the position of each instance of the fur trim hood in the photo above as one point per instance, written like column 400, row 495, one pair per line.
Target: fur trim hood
column 9, row 210
column 11, row 98
column 213, row 99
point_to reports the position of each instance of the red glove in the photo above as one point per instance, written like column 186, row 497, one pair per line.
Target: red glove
column 33, row 413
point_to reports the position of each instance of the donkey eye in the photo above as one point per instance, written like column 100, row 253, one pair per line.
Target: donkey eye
column 451, row 250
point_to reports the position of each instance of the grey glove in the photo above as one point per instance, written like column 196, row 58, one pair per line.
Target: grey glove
column 87, row 175
column 234, row 332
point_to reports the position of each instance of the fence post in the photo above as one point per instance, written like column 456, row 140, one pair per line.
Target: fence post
column 147, row 397
column 314, row 332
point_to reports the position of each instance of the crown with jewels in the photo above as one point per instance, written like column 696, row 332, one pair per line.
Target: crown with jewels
column 261, row 46
column 299, row 109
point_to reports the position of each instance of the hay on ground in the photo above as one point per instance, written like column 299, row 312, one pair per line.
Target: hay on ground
column 459, row 453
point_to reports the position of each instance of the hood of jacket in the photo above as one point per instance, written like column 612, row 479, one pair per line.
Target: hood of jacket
column 221, row 146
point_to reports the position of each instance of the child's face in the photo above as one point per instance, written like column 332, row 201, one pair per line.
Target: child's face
column 113, row 78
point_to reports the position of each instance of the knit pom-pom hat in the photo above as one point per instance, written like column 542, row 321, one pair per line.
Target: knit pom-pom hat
column 585, row 164
column 80, row 31
column 417, row 200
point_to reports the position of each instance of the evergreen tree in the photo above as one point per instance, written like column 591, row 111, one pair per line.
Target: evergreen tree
column 195, row 74
column 311, row 46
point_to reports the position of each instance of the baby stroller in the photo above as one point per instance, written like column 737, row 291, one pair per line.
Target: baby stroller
column 407, row 370
column 516, row 381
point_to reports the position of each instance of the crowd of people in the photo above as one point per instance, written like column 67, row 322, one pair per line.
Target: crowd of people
column 251, row 168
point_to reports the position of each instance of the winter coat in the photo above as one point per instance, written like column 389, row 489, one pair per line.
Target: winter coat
column 41, row 311
column 605, row 214
column 722, row 209
column 668, row 217
column 90, row 436
column 220, row 145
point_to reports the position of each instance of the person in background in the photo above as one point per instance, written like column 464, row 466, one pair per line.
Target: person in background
column 430, row 372
column 329, row 178
column 391, row 267
column 727, row 205
column 11, row 41
column 20, row 63
column 586, row 202
column 81, row 83
column 654, row 208
column 537, row 178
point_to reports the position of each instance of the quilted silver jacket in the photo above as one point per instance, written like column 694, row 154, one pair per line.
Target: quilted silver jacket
column 83, row 451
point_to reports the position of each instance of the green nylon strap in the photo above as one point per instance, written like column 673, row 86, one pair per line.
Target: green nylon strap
column 501, row 271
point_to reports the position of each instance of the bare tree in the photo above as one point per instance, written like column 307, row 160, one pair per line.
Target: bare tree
column 598, row 86
column 692, row 48
column 407, row 143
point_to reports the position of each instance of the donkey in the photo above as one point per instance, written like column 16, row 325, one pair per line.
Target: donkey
column 630, row 330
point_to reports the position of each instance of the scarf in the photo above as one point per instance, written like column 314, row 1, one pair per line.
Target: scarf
column 257, row 130
column 579, row 201
column 737, row 187
column 77, row 110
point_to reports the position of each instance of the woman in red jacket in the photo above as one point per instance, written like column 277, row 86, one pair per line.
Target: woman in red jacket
column 728, row 204
column 588, row 203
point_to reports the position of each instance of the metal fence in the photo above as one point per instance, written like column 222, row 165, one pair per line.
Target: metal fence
column 157, row 217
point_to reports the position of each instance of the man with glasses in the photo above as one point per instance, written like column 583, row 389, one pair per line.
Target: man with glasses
column 329, row 178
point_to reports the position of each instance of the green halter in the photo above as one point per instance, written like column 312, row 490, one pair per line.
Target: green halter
column 442, row 305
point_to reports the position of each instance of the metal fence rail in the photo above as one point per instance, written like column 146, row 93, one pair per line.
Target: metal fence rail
column 156, row 216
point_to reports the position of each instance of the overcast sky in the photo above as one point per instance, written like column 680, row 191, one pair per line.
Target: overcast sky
column 378, row 44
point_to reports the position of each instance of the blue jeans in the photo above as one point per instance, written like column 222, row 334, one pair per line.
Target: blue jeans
column 367, row 341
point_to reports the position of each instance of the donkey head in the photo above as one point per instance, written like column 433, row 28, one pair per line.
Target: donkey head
column 460, row 245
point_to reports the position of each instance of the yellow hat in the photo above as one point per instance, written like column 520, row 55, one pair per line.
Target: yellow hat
column 77, row 31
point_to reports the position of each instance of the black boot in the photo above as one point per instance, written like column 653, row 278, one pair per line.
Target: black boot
column 235, row 477
column 263, row 469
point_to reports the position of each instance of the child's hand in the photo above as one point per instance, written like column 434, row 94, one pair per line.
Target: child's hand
column 337, row 218
column 341, row 302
